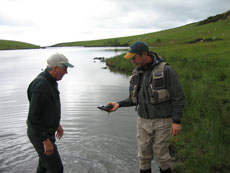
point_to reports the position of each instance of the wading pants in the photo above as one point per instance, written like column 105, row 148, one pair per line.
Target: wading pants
column 153, row 141
column 47, row 164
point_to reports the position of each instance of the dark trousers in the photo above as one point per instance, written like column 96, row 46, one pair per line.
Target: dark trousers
column 47, row 164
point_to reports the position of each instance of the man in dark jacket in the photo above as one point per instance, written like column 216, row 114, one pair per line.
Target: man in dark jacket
column 159, row 100
column 45, row 113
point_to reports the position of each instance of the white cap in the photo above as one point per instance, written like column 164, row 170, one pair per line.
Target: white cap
column 58, row 59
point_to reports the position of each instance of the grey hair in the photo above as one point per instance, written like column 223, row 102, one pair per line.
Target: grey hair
column 49, row 67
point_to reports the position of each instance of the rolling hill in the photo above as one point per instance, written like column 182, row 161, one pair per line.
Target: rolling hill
column 10, row 45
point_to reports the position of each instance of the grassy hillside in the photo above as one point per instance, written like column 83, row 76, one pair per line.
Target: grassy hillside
column 9, row 45
column 210, row 31
column 203, row 65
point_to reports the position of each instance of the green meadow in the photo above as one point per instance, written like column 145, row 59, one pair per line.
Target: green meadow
column 200, row 53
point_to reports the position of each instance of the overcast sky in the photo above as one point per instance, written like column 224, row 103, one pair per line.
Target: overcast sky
column 47, row 22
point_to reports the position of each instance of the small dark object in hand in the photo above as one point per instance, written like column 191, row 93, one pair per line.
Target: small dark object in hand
column 105, row 107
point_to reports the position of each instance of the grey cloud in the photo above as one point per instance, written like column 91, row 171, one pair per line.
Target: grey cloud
column 168, row 13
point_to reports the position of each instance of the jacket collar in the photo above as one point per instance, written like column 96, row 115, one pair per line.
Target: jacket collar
column 47, row 75
column 155, row 61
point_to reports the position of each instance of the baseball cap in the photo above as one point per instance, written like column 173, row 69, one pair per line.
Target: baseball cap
column 135, row 48
column 58, row 59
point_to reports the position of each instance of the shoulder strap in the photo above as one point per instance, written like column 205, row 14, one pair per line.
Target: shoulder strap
column 158, row 77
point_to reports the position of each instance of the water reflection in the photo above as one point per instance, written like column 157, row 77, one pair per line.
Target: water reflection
column 92, row 141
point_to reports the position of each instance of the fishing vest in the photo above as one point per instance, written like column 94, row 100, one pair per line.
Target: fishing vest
column 157, row 90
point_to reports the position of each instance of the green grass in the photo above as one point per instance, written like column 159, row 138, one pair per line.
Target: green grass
column 203, row 69
column 9, row 45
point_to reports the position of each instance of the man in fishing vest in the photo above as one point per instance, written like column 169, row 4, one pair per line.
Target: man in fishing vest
column 45, row 113
column 159, row 100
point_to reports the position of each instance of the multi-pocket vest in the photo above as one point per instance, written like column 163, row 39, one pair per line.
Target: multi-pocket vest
column 157, row 89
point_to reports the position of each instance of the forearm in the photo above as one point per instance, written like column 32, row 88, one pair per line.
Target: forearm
column 126, row 103
column 178, row 107
column 176, row 93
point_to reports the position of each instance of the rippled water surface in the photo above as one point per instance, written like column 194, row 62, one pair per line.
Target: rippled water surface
column 93, row 142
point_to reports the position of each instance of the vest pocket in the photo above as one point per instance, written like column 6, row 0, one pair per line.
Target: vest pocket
column 158, row 96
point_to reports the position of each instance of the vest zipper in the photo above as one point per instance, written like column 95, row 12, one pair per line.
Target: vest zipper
column 144, row 96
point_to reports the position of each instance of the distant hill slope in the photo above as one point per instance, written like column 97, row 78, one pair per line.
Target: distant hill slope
column 216, row 18
column 211, row 29
column 9, row 45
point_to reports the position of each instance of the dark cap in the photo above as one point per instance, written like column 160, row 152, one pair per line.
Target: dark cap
column 136, row 48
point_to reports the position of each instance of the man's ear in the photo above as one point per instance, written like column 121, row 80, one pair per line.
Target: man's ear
column 54, row 68
column 145, row 53
column 146, row 57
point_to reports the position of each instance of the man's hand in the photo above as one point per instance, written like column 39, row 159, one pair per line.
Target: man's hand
column 175, row 129
column 115, row 106
column 48, row 147
column 60, row 132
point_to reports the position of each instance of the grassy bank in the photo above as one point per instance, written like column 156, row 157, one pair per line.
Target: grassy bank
column 10, row 45
column 203, row 69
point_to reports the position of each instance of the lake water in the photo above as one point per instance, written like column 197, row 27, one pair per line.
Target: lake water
column 92, row 141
